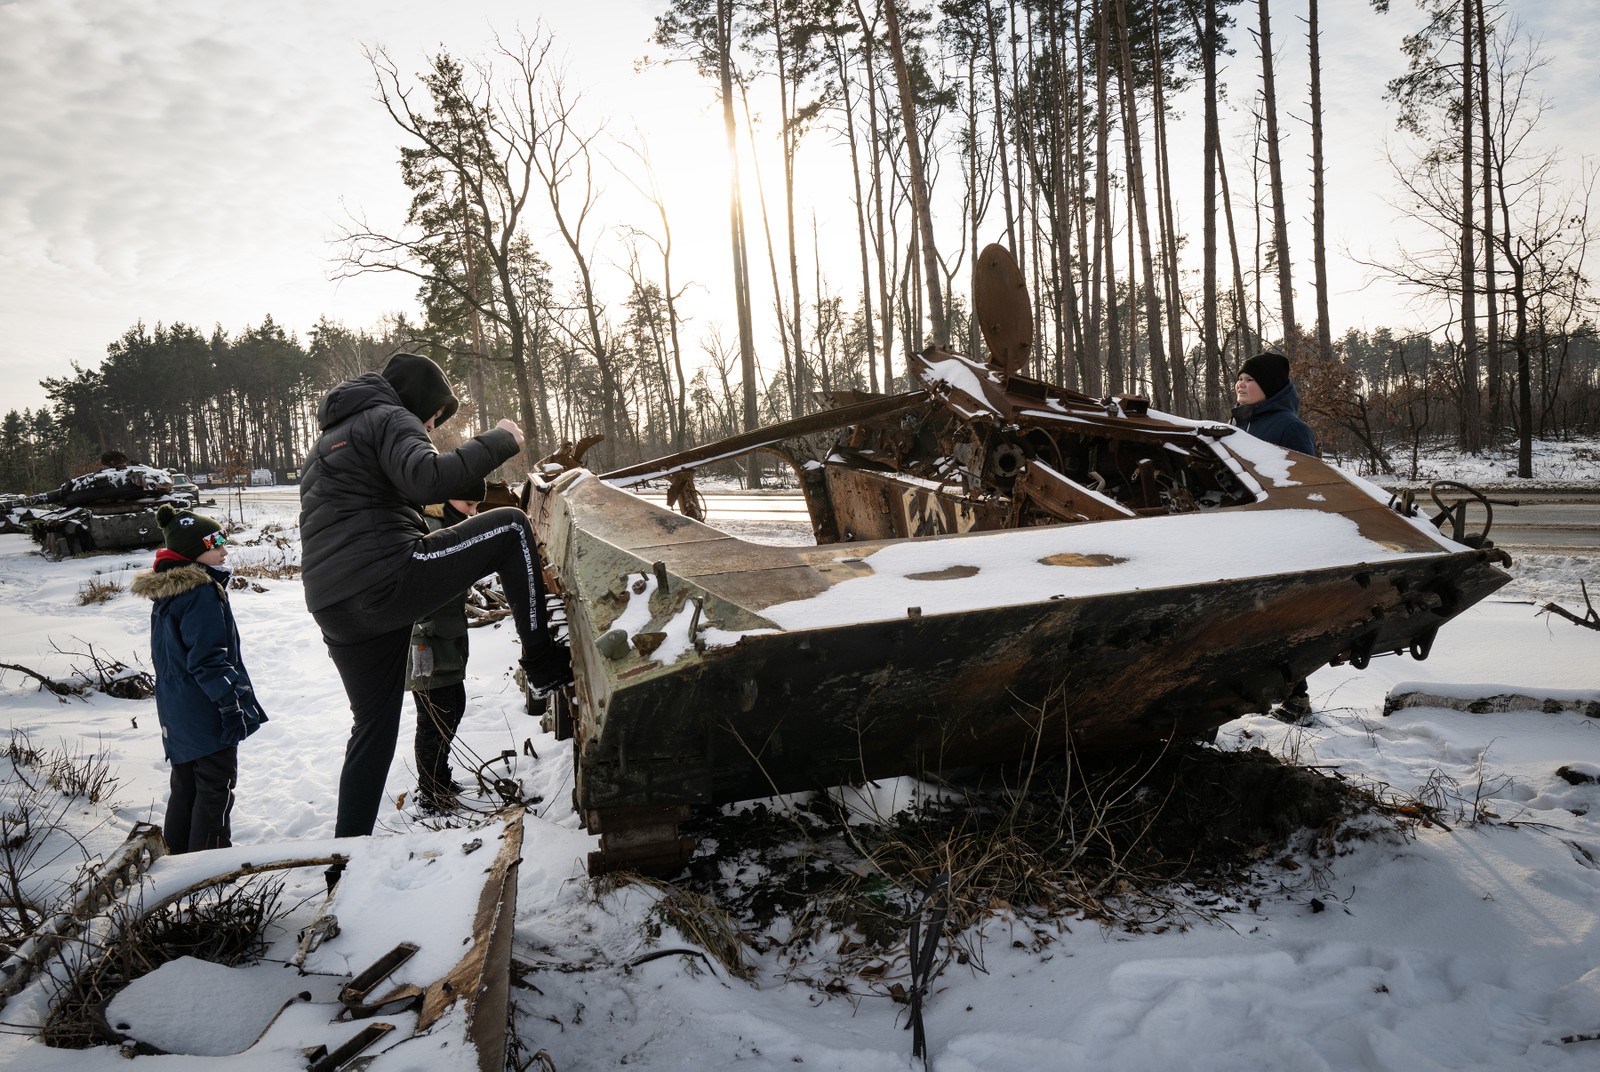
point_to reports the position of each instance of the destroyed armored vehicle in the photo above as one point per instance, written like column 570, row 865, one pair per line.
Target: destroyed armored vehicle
column 111, row 509
column 1003, row 568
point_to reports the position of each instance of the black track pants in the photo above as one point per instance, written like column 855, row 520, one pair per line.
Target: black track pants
column 200, row 807
column 374, row 676
column 368, row 636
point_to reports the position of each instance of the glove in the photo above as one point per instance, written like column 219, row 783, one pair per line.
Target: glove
column 235, row 725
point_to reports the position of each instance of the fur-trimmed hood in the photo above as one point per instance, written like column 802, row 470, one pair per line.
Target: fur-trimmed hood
column 171, row 582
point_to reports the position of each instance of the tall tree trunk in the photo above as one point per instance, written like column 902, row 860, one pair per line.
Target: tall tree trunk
column 1000, row 129
column 875, row 133
column 1087, row 334
column 736, row 230
column 938, row 323
column 1492, row 343
column 1319, row 245
column 788, row 141
column 1069, row 332
column 842, row 64
column 1102, row 316
column 1166, row 224
column 1208, row 203
column 1217, row 400
column 1471, row 433
column 1280, row 211
column 973, row 344
column 1152, row 301
column 1027, row 218
column 475, row 318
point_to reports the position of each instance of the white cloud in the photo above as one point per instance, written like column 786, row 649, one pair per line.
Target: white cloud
column 165, row 160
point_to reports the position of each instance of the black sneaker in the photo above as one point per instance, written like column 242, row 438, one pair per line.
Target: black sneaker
column 1295, row 710
column 548, row 669
column 437, row 802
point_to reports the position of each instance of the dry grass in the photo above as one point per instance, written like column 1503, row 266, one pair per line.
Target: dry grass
column 35, row 795
column 222, row 925
column 693, row 915
column 80, row 774
column 99, row 589
column 1140, row 842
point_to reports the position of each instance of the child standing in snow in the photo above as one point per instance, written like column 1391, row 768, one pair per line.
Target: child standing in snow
column 203, row 694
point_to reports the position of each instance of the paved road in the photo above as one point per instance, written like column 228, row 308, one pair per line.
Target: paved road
column 1568, row 524
column 1545, row 522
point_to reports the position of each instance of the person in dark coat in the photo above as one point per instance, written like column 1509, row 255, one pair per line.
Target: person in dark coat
column 204, row 699
column 371, row 567
column 1269, row 404
column 436, row 673
column 1269, row 409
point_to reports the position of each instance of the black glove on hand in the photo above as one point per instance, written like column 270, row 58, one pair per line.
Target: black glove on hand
column 234, row 726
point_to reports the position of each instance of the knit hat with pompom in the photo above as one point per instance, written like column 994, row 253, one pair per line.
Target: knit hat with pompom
column 187, row 533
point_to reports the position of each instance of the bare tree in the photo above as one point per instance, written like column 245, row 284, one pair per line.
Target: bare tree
column 663, row 244
column 917, row 178
column 1280, row 211
column 565, row 163
column 469, row 160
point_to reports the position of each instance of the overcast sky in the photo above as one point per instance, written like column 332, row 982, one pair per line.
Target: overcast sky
column 190, row 160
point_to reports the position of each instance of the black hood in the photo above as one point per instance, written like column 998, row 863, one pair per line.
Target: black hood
column 367, row 390
column 422, row 387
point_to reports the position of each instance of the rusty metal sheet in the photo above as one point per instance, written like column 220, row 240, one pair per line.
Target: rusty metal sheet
column 999, row 289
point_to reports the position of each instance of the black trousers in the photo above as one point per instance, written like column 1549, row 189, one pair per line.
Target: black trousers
column 200, row 806
column 369, row 633
column 439, row 712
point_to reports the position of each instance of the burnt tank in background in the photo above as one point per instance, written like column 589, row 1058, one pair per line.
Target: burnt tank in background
column 1003, row 568
column 110, row 509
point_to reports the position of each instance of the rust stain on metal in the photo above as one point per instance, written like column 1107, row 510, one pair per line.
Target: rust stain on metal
column 949, row 573
column 1072, row 558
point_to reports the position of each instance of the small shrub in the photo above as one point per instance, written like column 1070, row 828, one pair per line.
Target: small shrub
column 79, row 775
column 99, row 589
column 20, row 750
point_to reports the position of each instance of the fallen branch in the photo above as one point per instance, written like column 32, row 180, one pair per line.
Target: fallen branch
column 60, row 689
column 1590, row 620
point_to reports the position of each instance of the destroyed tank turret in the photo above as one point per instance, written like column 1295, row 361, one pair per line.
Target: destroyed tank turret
column 110, row 509
column 1004, row 568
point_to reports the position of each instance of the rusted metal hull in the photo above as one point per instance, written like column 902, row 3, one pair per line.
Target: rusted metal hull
column 1004, row 568
column 761, row 709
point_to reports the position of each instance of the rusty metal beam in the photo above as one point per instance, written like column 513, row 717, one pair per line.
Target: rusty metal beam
column 771, row 435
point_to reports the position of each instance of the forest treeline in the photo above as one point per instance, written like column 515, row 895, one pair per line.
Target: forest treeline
column 1044, row 126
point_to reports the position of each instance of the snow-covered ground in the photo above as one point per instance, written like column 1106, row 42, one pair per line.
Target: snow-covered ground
column 1474, row 945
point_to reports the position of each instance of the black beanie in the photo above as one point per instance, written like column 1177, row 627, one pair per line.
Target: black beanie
column 470, row 490
column 422, row 387
column 184, row 532
column 1271, row 371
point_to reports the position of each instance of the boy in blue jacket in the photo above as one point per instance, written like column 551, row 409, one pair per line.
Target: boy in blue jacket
column 1269, row 404
column 203, row 694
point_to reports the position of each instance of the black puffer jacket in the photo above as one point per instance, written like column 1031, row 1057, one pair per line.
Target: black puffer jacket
column 361, row 483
